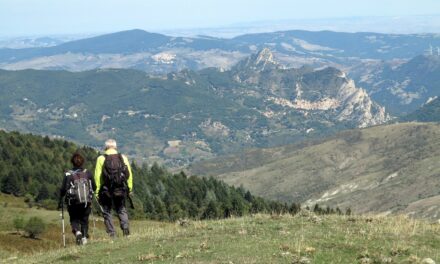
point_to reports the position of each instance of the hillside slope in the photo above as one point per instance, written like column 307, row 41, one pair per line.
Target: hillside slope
column 381, row 169
column 260, row 239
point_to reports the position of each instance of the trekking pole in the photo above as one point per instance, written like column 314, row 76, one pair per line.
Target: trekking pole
column 93, row 219
column 62, row 224
column 100, row 207
column 91, row 205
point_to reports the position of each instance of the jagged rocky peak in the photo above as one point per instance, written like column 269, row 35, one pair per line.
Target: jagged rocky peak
column 264, row 57
column 330, row 89
column 263, row 60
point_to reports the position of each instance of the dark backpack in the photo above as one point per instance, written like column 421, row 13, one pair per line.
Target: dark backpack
column 115, row 174
column 79, row 190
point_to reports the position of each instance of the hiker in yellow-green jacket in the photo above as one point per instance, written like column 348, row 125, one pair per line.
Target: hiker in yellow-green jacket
column 114, row 182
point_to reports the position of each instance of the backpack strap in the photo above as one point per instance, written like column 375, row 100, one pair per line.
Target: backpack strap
column 121, row 159
column 123, row 165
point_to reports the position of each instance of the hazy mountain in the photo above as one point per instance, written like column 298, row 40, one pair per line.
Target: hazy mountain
column 380, row 169
column 188, row 115
column 157, row 53
column 402, row 87
column 379, row 24
column 30, row 42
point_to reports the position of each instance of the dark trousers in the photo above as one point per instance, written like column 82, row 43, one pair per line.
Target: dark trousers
column 79, row 218
column 118, row 203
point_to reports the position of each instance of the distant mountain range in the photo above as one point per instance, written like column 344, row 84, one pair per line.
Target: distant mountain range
column 29, row 42
column 157, row 53
column 187, row 116
column 382, row 169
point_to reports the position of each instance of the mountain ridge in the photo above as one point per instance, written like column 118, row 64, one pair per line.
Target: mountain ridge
column 135, row 49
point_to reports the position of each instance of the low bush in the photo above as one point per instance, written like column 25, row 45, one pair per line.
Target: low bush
column 35, row 227
column 18, row 223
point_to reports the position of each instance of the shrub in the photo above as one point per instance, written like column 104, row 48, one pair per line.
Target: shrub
column 35, row 226
column 18, row 223
column 49, row 204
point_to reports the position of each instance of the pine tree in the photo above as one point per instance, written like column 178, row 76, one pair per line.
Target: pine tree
column 211, row 211
column 43, row 194
column 12, row 184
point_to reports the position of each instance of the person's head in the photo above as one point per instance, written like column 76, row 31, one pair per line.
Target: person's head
column 110, row 144
column 77, row 160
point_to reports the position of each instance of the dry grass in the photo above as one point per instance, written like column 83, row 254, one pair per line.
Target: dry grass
column 252, row 239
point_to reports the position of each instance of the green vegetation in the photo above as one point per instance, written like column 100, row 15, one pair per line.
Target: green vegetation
column 33, row 167
column 167, row 196
column 11, row 241
column 34, row 227
column 19, row 223
column 383, row 169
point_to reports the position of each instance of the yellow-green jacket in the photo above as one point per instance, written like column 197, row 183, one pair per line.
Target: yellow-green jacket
column 98, row 170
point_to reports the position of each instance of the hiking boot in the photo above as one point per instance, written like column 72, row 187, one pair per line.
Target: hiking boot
column 126, row 232
column 84, row 240
column 78, row 236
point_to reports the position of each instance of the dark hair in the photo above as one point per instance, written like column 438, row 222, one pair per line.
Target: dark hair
column 77, row 160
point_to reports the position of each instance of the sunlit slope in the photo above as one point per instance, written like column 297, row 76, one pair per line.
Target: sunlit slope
column 388, row 168
column 262, row 239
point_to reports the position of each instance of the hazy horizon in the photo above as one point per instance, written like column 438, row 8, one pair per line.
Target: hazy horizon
column 51, row 17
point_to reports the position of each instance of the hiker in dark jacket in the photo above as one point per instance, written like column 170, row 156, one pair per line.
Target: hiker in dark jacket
column 78, row 187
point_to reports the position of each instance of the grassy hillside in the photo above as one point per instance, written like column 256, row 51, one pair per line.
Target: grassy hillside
column 385, row 169
column 258, row 239
column 13, row 242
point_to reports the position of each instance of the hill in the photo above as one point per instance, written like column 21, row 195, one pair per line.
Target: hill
column 305, row 238
column 187, row 116
column 382, row 169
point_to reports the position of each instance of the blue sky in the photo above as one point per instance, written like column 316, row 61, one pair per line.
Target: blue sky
column 37, row 17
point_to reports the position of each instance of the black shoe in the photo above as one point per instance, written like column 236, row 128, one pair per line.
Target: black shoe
column 126, row 232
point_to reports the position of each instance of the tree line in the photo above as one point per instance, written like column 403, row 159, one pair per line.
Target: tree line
column 33, row 167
